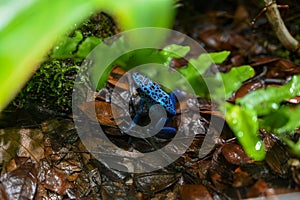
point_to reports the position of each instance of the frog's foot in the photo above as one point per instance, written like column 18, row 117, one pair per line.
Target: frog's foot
column 163, row 132
column 166, row 133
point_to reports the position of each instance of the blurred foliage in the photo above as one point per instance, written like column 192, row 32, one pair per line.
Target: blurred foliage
column 28, row 30
column 51, row 86
column 75, row 48
column 286, row 123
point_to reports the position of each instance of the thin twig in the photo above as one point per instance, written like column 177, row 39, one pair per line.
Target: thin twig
column 284, row 36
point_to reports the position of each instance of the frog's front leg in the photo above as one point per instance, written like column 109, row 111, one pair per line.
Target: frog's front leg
column 137, row 116
column 166, row 133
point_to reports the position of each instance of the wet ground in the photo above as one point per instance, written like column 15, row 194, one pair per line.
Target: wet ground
column 43, row 156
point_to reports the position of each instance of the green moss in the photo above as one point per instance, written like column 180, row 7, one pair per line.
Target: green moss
column 51, row 86
column 98, row 25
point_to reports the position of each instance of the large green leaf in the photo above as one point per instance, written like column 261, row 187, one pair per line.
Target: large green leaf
column 244, row 124
column 267, row 100
column 284, row 120
column 29, row 29
column 294, row 147
column 235, row 77
column 181, row 51
column 219, row 57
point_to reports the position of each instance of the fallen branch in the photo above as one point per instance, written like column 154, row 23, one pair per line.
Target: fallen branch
column 284, row 36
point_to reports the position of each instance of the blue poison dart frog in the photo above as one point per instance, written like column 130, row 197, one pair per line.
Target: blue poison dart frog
column 150, row 94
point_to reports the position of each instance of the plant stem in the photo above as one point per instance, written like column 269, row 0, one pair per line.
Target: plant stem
column 284, row 36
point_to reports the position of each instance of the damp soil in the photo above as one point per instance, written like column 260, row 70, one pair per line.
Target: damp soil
column 42, row 156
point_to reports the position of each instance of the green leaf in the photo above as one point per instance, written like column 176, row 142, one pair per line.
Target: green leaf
column 141, row 57
column 193, row 73
column 87, row 46
column 203, row 85
column 175, row 51
column 295, row 147
column 284, row 120
column 244, row 124
column 66, row 47
column 219, row 57
column 235, row 77
column 201, row 64
column 267, row 100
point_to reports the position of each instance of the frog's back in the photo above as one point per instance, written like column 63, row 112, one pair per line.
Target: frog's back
column 155, row 92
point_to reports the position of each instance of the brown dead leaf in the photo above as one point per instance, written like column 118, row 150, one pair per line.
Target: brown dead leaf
column 247, row 88
column 22, row 142
column 53, row 179
column 214, row 39
column 235, row 154
column 258, row 189
column 100, row 111
column 115, row 82
column 190, row 192
column 20, row 183
column 241, row 17
column 277, row 158
column 241, row 178
column 114, row 78
column 118, row 71
column 276, row 67
column 155, row 182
